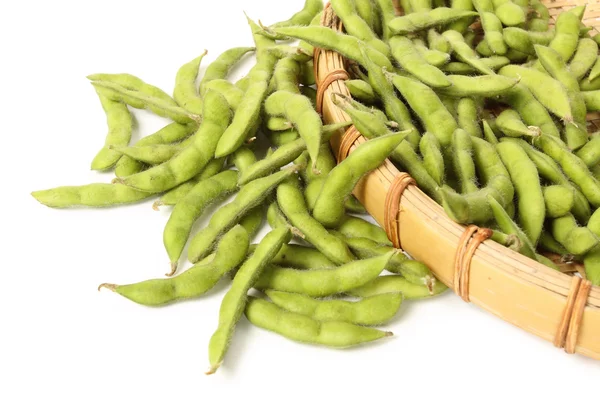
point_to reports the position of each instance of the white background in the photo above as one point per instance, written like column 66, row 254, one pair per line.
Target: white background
column 60, row 338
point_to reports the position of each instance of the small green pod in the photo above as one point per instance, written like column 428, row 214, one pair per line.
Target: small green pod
column 234, row 301
column 466, row 54
column 323, row 282
column 484, row 86
column 526, row 180
column 249, row 196
column 375, row 310
column 559, row 200
column 285, row 75
column 120, row 126
column 394, row 284
column 329, row 207
column 221, row 66
column 590, row 152
column 492, row 28
column 462, row 161
column 576, row 239
column 186, row 92
column 92, row 195
column 194, row 282
column 304, row 329
column 510, row 123
column 432, row 57
column 292, row 204
column 190, row 208
column 354, row 227
column 468, row 116
column 302, row 257
column 460, row 68
column 361, row 91
column 433, row 159
column 509, row 13
column 409, row 58
column 584, row 58
column 278, row 124
column 422, row 20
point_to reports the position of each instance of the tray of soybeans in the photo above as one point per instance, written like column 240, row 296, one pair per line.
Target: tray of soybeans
column 464, row 128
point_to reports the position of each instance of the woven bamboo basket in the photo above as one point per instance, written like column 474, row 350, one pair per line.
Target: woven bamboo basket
column 560, row 308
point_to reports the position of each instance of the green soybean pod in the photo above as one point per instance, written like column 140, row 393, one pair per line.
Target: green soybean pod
column 433, row 159
column 559, row 200
column 533, row 113
column 353, row 227
column 231, row 92
column 326, row 38
column 329, row 207
column 488, row 133
column 120, row 125
column 285, row 75
column 304, row 16
column 173, row 196
column 567, row 34
column 185, row 92
column 291, row 202
column 190, row 161
column 414, row 271
column 361, row 91
column 483, row 86
column 547, row 90
column 550, row 244
column 509, row 13
column 572, row 166
column 464, row 53
column 134, row 83
column 394, row 107
column 437, row 41
column 468, row 116
column 302, row 257
column 235, row 299
column 422, row 20
column 591, row 262
column 249, row 197
column 374, row 310
column 509, row 227
column 221, row 66
column 323, row 282
column 524, row 41
column 576, row 239
column 525, row 178
column 152, row 154
column 550, row 171
column 356, row 26
column 509, row 122
column 298, row 110
column 595, row 72
column 461, row 25
column 420, row 5
column 432, row 57
column 592, row 100
column 474, row 207
column 493, row 32
column 428, row 107
column 584, row 58
column 462, row 161
column 590, row 152
column 190, row 208
column 92, row 195
column 194, row 282
column 304, row 329
column 407, row 56
column 394, row 284
column 139, row 99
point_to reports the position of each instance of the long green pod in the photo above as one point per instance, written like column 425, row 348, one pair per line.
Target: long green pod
column 329, row 207
column 407, row 56
column 234, row 302
column 190, row 208
column 468, row 110
column 433, row 158
column 590, row 152
column 249, row 196
column 492, row 27
column 194, row 282
column 323, row 282
column 374, row 310
column 426, row 19
column 92, row 195
column 120, row 126
column 304, row 329
column 462, row 161
column 300, row 112
column 460, row 68
column 484, row 86
column 134, row 83
column 292, row 204
column 191, row 160
column 464, row 53
column 584, row 58
column 394, row 284
column 524, row 41
column 526, row 180
column 509, row 227
column 142, row 100
column 302, row 257
column 152, row 154
column 510, row 123
column 354, row 227
column 578, row 240
column 186, row 92
column 221, row 66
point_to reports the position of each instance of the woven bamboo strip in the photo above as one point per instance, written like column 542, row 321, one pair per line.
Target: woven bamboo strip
column 507, row 284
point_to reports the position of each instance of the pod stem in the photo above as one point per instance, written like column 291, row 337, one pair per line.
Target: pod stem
column 173, row 269
column 213, row 369
column 156, row 205
column 110, row 286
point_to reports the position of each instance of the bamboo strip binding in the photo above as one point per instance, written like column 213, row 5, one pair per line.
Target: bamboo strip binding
column 558, row 308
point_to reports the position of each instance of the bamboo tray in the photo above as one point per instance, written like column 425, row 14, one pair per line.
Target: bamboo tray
column 559, row 308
